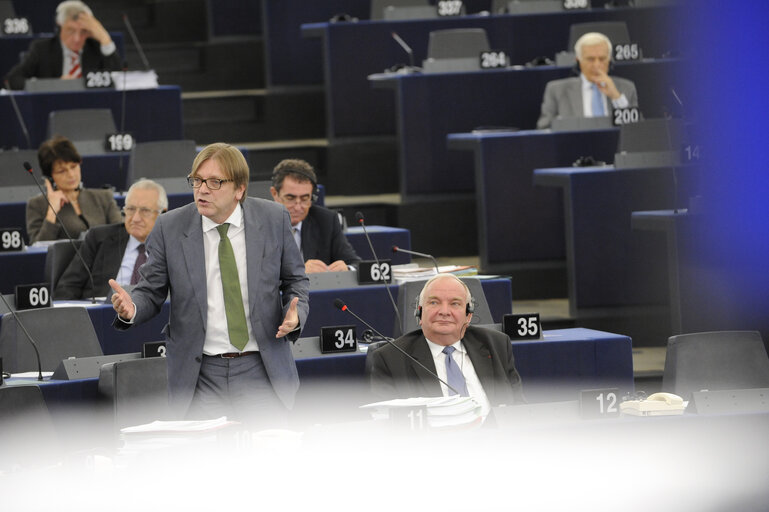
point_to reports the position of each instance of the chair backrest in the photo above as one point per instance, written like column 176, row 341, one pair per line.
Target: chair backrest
column 161, row 159
column 260, row 189
column 408, row 296
column 7, row 10
column 457, row 43
column 81, row 124
column 532, row 6
column 616, row 31
column 651, row 135
column 60, row 333
column 35, row 84
column 372, row 347
column 714, row 361
column 58, row 258
column 392, row 9
column 12, row 173
column 17, row 194
column 137, row 390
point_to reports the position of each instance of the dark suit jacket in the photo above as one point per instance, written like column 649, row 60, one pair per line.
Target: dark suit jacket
column 393, row 375
column 323, row 239
column 97, row 206
column 45, row 59
column 563, row 98
column 176, row 264
column 102, row 251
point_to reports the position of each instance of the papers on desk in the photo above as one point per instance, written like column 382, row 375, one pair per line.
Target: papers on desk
column 177, row 427
column 413, row 272
column 441, row 412
column 31, row 375
column 130, row 80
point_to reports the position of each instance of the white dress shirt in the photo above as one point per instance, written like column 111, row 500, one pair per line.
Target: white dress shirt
column 587, row 99
column 129, row 260
column 217, row 337
column 462, row 359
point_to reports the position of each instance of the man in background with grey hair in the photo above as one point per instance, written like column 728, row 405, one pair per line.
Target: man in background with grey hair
column 81, row 44
column 593, row 93
column 115, row 251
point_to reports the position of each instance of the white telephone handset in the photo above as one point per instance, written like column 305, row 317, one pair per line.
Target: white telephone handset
column 657, row 404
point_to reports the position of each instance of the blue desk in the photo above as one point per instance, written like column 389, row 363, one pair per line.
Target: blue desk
column 28, row 266
column 431, row 106
column 151, row 114
column 352, row 51
column 520, row 225
column 608, row 264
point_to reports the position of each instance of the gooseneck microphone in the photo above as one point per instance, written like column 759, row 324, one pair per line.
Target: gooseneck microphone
column 29, row 169
column 420, row 254
column 359, row 218
column 406, row 48
column 136, row 42
column 339, row 304
column 29, row 337
column 23, row 125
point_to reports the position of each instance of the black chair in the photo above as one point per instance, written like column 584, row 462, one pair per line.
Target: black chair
column 719, row 360
column 616, row 31
column 85, row 127
column 12, row 173
column 165, row 159
column 260, row 189
column 408, row 295
column 7, row 10
column 137, row 390
column 373, row 347
column 58, row 258
column 402, row 9
column 60, row 333
column 456, row 49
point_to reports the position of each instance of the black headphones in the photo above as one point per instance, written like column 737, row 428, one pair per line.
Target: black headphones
column 300, row 172
column 469, row 308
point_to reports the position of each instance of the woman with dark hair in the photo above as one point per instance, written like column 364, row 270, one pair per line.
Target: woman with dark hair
column 78, row 208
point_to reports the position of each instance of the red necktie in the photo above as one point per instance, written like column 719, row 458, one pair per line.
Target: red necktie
column 141, row 259
column 75, row 71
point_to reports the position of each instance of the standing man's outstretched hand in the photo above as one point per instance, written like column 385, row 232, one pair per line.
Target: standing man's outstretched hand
column 121, row 301
column 291, row 321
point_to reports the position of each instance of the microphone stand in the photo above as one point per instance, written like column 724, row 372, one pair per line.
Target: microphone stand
column 29, row 337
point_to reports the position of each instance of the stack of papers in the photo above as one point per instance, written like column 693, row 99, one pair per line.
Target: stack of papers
column 167, row 434
column 413, row 272
column 451, row 411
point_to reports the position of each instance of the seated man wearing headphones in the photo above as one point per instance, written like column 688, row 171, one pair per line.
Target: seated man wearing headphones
column 593, row 93
column 475, row 361
column 317, row 230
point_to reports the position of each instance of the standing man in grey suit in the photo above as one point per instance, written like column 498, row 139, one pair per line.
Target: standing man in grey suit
column 593, row 93
column 238, row 292
column 447, row 344
column 317, row 230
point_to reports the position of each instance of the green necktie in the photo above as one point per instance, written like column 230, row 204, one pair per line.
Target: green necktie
column 233, row 300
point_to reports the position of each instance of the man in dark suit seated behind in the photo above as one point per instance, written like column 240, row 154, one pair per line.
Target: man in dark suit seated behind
column 484, row 357
column 115, row 251
column 317, row 230
column 81, row 44
column 593, row 93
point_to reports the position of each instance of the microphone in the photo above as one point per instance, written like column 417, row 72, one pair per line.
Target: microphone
column 420, row 254
column 406, row 48
column 28, row 167
column 11, row 95
column 359, row 218
column 136, row 43
column 29, row 337
column 122, row 113
column 339, row 304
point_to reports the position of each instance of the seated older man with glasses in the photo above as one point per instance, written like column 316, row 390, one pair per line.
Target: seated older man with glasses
column 115, row 251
